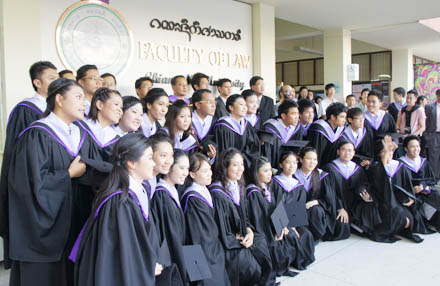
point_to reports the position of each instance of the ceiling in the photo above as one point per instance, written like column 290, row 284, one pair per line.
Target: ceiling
column 391, row 24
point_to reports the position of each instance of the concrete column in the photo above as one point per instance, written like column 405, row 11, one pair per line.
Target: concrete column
column 20, row 46
column 337, row 57
column 402, row 69
column 263, row 42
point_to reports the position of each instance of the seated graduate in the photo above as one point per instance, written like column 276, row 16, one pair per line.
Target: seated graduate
column 326, row 221
column 201, row 226
column 323, row 134
column 285, row 128
column 262, row 204
column 360, row 135
column 380, row 121
column 224, row 87
column 288, row 190
column 132, row 116
column 155, row 108
column 22, row 115
column 179, row 84
column 163, row 158
column 235, row 131
column 203, row 120
column 107, row 250
column 306, row 114
column 42, row 186
column 399, row 208
column 248, row 259
column 356, row 204
column 423, row 179
column 168, row 213
column 178, row 127
column 251, row 98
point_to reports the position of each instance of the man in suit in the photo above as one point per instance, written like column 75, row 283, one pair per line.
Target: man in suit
column 267, row 107
column 432, row 134
column 224, row 87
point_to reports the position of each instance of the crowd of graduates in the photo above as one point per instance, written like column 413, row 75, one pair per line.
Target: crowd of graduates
column 156, row 189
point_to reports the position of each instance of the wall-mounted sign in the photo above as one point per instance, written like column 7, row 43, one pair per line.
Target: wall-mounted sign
column 94, row 32
column 195, row 29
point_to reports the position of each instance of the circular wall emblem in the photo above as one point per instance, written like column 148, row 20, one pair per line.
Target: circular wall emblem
column 92, row 32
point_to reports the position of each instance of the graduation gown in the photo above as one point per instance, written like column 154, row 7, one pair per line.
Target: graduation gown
column 266, row 109
column 260, row 209
column 283, row 135
column 255, row 122
column 230, row 133
column 220, row 108
column 204, row 132
column 348, row 186
column 304, row 245
column 323, row 138
column 392, row 211
column 43, row 200
column 147, row 127
column 364, row 144
column 202, row 229
column 424, row 175
column 322, row 217
column 245, row 266
column 129, row 252
column 21, row 117
column 380, row 125
column 170, row 224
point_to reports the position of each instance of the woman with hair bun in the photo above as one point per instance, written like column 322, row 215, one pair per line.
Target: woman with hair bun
column 43, row 181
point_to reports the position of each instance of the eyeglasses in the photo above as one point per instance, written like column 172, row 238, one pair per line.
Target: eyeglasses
column 211, row 101
column 95, row 78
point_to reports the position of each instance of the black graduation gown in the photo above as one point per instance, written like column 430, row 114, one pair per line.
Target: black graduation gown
column 248, row 143
column 433, row 197
column 394, row 111
column 95, row 177
column 43, row 202
column 21, row 117
column 273, row 151
column 245, row 266
column 202, row 229
column 304, row 245
column 392, row 212
column 129, row 252
column 204, row 141
column 266, row 109
column 388, row 125
column 220, row 108
column 322, row 217
column 364, row 215
column 282, row 252
column 170, row 226
column 319, row 139
column 365, row 147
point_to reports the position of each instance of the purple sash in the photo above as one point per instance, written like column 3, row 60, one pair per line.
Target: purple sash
column 277, row 127
column 328, row 131
column 375, row 122
column 348, row 134
column 409, row 165
column 231, row 123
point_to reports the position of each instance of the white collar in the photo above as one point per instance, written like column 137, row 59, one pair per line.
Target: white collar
column 103, row 135
column 141, row 194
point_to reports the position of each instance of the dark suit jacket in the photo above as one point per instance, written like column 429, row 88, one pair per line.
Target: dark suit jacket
column 267, row 108
column 220, row 108
column 431, row 125
column 392, row 109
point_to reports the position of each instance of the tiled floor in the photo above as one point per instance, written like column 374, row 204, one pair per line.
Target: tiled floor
column 358, row 261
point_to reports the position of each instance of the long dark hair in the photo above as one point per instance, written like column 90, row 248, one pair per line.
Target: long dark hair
column 316, row 182
column 102, row 94
column 178, row 153
column 58, row 86
column 257, row 163
column 174, row 111
column 221, row 169
column 131, row 147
